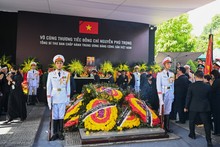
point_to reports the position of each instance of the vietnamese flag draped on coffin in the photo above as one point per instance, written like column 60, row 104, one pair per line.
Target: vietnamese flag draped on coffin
column 88, row 27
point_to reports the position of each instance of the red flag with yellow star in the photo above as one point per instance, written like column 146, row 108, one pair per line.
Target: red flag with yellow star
column 88, row 27
column 208, row 62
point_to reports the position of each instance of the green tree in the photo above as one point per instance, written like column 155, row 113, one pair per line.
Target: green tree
column 174, row 35
column 217, row 39
column 193, row 65
column 214, row 27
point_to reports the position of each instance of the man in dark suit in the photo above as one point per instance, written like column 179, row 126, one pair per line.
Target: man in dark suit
column 96, row 77
column 198, row 103
column 180, row 90
column 111, row 79
column 123, row 80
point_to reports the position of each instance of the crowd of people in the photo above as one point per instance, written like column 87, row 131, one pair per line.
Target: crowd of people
column 181, row 95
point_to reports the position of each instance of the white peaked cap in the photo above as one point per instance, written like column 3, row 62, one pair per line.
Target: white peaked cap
column 167, row 59
column 33, row 63
column 217, row 63
column 58, row 58
column 136, row 66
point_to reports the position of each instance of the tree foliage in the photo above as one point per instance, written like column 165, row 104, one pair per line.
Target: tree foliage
column 174, row 35
column 193, row 65
column 214, row 28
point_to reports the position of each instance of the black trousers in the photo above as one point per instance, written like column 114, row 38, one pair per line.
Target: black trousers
column 206, row 119
column 179, row 108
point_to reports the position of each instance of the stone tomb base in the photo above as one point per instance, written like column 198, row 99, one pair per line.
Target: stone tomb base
column 121, row 136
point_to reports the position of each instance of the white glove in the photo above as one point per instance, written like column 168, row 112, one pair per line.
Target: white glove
column 49, row 103
column 161, row 103
column 67, row 103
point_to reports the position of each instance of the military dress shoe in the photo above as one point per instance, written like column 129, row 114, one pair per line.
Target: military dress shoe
column 61, row 136
column 54, row 137
column 7, row 121
column 168, row 130
column 209, row 144
column 180, row 122
column 216, row 134
column 192, row 136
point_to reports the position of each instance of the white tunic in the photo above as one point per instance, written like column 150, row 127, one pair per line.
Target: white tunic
column 33, row 78
column 137, row 78
column 165, row 87
column 58, row 87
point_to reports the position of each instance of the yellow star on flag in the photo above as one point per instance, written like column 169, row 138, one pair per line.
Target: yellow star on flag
column 88, row 28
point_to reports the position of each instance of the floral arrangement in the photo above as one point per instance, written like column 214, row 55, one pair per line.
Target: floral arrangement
column 103, row 119
column 130, row 122
column 106, row 108
column 112, row 94
column 155, row 68
column 121, row 67
column 76, row 66
column 5, row 60
column 26, row 65
column 106, row 67
column 73, row 109
column 143, row 67
column 137, row 106
column 146, row 114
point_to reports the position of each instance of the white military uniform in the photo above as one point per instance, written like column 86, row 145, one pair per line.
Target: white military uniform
column 58, row 96
column 33, row 79
column 58, row 92
column 165, row 88
column 137, row 81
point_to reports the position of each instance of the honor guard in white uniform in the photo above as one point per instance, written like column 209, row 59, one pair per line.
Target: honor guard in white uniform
column 137, row 76
column 33, row 79
column 165, row 89
column 58, row 95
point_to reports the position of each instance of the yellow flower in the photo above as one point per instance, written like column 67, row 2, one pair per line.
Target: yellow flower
column 88, row 90
column 72, row 110
column 103, row 124
column 87, row 132
column 119, row 128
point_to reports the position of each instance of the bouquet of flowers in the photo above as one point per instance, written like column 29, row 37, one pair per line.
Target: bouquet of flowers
column 106, row 67
column 124, row 67
column 75, row 66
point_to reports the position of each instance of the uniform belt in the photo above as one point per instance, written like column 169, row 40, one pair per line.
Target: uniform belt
column 166, row 87
column 59, row 89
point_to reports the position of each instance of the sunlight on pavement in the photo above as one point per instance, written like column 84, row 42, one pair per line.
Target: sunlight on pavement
column 5, row 130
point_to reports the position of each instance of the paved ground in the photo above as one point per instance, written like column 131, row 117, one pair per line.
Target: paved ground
column 33, row 132
column 21, row 133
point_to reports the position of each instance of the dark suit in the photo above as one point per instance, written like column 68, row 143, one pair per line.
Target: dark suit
column 180, row 90
column 198, row 103
column 144, row 86
column 215, row 101
column 132, row 82
column 111, row 80
column 96, row 79
column 123, row 82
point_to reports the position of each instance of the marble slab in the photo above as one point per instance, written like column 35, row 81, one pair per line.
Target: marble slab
column 126, row 135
